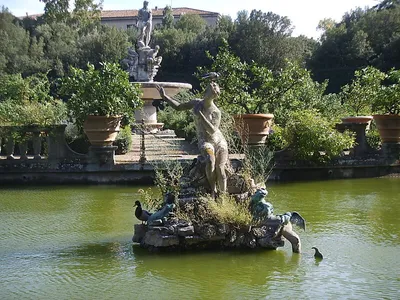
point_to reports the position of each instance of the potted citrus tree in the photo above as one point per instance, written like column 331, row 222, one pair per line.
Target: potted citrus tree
column 98, row 99
column 359, row 95
column 255, row 95
column 387, row 107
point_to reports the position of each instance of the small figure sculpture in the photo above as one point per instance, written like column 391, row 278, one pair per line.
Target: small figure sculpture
column 161, row 214
column 144, row 24
column 263, row 211
column 131, row 62
column 212, row 144
column 260, row 208
column 153, row 62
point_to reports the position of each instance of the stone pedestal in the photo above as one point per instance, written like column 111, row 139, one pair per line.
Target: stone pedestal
column 391, row 151
column 102, row 155
column 150, row 93
column 362, row 147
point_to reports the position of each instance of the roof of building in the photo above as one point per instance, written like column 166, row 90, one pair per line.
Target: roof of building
column 127, row 13
column 156, row 12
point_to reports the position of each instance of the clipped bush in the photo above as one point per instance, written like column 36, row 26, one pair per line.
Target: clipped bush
column 313, row 138
column 123, row 140
column 373, row 137
column 276, row 140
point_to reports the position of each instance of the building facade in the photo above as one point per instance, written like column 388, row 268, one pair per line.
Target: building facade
column 125, row 19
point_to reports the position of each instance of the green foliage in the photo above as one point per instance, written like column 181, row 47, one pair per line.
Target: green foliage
column 251, row 88
column 167, row 176
column 313, row 138
column 258, row 163
column 60, row 48
column 227, row 210
column 123, row 140
column 184, row 46
column 59, row 40
column 13, row 87
column 276, row 140
column 359, row 96
column 103, row 92
column 150, row 198
column 191, row 23
column 102, row 44
column 19, row 52
column 28, row 101
column 55, row 10
column 364, row 37
column 168, row 17
column 265, row 38
column 373, row 138
column 87, row 13
column 388, row 101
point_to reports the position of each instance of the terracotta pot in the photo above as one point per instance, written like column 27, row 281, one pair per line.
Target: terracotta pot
column 388, row 127
column 102, row 130
column 357, row 119
column 253, row 128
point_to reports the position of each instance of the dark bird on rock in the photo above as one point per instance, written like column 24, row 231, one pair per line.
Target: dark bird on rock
column 317, row 255
column 140, row 213
column 211, row 75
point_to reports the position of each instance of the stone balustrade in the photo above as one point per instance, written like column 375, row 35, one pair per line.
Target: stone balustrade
column 34, row 143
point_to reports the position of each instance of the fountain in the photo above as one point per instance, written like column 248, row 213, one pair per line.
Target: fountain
column 188, row 217
column 142, row 64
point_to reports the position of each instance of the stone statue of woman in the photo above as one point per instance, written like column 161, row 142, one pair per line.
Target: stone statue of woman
column 212, row 144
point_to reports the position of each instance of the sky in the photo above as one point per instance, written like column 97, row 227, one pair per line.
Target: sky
column 304, row 14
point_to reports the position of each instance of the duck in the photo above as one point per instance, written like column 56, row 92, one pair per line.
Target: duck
column 140, row 213
column 317, row 255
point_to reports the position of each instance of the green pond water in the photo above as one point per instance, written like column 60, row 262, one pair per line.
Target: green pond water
column 74, row 242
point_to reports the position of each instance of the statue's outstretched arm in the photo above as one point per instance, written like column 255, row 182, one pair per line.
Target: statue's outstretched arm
column 175, row 104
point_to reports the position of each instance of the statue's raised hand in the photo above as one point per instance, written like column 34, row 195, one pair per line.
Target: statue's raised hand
column 161, row 90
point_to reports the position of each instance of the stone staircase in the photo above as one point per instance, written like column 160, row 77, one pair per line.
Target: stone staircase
column 161, row 145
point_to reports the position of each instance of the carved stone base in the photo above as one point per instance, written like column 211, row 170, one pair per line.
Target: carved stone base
column 391, row 151
column 179, row 234
column 102, row 155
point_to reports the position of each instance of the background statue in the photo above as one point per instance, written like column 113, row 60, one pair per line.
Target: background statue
column 144, row 25
column 143, row 63
column 212, row 144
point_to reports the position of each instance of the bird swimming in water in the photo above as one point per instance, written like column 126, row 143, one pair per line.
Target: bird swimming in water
column 211, row 75
column 317, row 255
column 140, row 213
